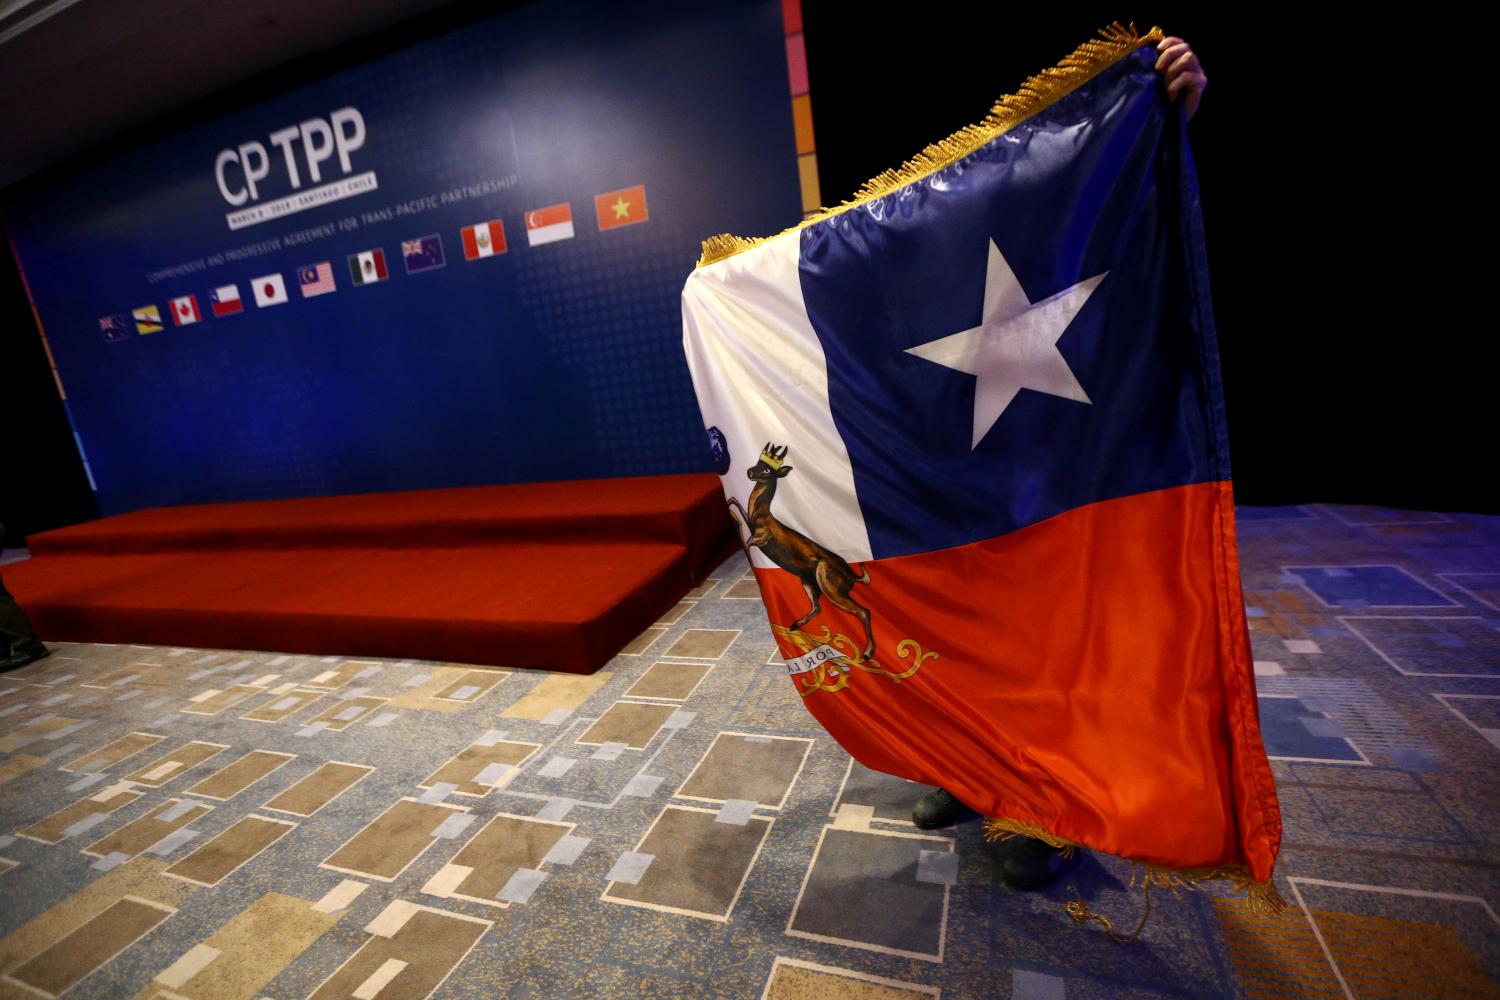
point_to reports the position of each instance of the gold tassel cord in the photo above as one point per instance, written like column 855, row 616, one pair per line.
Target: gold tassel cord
column 1035, row 95
column 1004, row 829
column 1262, row 896
column 1081, row 914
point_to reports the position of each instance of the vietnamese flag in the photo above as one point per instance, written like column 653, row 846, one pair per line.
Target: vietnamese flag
column 978, row 456
column 624, row 207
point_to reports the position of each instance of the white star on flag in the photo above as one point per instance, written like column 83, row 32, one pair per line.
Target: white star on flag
column 1014, row 347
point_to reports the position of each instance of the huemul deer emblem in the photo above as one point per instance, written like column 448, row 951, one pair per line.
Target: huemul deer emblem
column 823, row 573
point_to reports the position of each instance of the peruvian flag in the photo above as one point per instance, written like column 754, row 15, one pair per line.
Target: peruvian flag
column 185, row 311
column 484, row 240
column 368, row 267
column 550, row 224
column 226, row 300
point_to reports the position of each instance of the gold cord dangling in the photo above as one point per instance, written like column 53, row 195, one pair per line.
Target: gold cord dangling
column 1081, row 914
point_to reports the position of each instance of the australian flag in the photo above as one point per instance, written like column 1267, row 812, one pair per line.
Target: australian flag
column 989, row 506
column 423, row 254
column 114, row 329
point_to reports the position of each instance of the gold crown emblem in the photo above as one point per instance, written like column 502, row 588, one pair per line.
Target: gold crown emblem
column 773, row 456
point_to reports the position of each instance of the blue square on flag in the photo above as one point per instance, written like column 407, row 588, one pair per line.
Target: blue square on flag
column 423, row 254
column 113, row 328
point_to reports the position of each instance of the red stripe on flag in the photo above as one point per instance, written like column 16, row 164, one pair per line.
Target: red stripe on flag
column 471, row 245
column 380, row 264
column 1093, row 679
column 549, row 216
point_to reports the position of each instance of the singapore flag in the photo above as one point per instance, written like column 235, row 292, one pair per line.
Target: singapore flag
column 550, row 224
column 270, row 290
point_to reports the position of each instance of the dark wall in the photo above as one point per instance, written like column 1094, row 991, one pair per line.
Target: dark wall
column 42, row 483
column 1331, row 159
column 1341, row 205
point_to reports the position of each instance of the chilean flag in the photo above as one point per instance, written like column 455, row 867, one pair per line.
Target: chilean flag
column 185, row 311
column 226, row 301
column 976, row 447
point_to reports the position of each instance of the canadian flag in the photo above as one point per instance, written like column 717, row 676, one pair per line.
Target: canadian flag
column 185, row 311
column 550, row 224
column 484, row 240
column 269, row 290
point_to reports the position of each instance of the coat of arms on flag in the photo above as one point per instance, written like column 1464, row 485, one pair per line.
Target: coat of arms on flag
column 425, row 253
column 977, row 453
column 484, row 239
column 147, row 319
column 367, row 267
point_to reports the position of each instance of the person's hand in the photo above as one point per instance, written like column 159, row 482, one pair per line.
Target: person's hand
column 1181, row 72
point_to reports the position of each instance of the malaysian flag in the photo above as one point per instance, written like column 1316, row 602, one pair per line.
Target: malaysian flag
column 316, row 279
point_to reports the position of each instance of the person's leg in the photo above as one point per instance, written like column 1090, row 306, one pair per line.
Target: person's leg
column 1025, row 862
column 939, row 808
column 19, row 644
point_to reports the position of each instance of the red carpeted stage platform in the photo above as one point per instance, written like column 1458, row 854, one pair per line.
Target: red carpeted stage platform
column 552, row 575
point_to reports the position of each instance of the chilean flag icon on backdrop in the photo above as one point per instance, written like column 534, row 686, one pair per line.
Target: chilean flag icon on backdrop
column 225, row 301
column 979, row 461
column 185, row 311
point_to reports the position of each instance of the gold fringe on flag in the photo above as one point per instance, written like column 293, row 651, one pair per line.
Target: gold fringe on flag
column 1262, row 896
column 1039, row 92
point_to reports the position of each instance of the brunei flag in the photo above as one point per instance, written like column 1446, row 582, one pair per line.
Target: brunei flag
column 147, row 319
column 972, row 430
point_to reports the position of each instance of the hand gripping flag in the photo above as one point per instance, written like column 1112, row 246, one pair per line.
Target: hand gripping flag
column 975, row 440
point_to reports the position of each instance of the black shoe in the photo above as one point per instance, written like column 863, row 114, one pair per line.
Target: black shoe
column 939, row 808
column 1027, row 863
column 26, row 654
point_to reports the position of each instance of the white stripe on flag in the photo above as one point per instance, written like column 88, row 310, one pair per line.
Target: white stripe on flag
column 484, row 244
column 367, row 271
column 550, row 234
column 760, row 375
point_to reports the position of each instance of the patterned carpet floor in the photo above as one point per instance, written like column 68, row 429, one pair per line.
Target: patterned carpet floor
column 214, row 825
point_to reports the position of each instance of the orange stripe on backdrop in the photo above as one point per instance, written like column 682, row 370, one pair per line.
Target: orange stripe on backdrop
column 1093, row 678
column 802, row 123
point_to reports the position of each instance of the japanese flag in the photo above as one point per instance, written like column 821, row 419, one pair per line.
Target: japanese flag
column 270, row 290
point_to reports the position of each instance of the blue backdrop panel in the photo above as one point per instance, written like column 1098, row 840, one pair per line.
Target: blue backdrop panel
column 553, row 361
